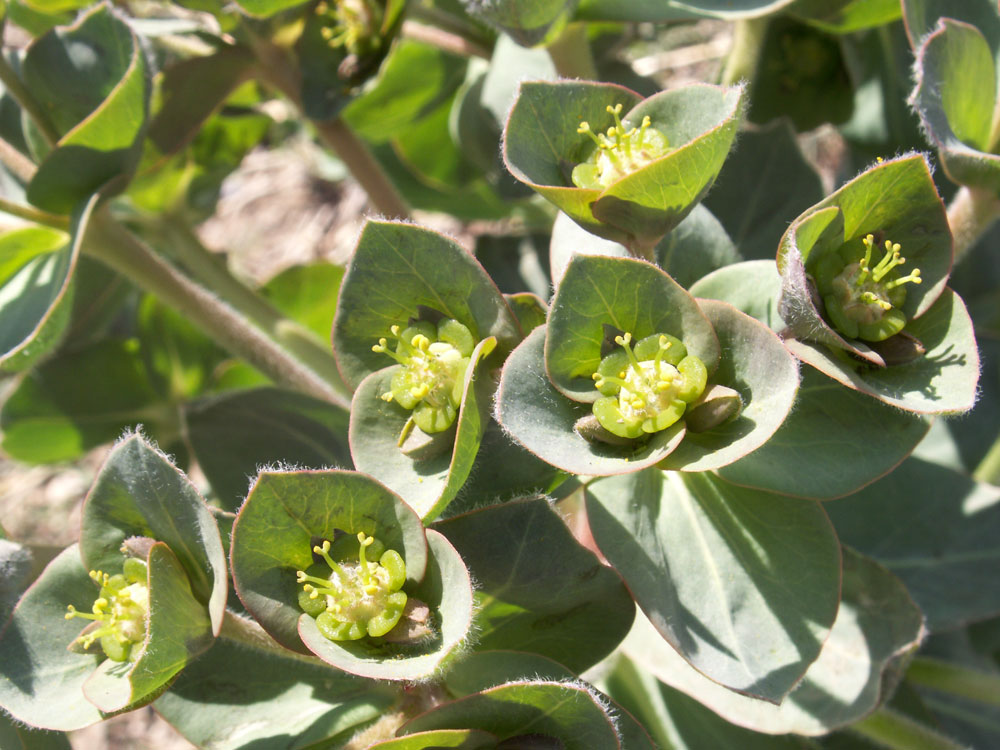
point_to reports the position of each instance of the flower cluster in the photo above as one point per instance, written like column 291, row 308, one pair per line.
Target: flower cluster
column 354, row 599
column 863, row 302
column 434, row 360
column 619, row 152
column 648, row 388
column 119, row 612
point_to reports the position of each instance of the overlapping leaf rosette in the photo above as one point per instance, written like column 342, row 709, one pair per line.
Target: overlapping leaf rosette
column 864, row 292
column 625, row 168
column 335, row 563
column 631, row 371
column 111, row 622
column 956, row 94
column 420, row 349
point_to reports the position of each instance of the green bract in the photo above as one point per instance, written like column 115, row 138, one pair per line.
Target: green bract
column 649, row 167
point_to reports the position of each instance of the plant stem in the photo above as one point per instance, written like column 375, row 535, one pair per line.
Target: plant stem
column 248, row 633
column 444, row 40
column 17, row 163
column 744, row 56
column 571, row 54
column 211, row 271
column 955, row 679
column 276, row 69
column 988, row 470
column 899, row 732
column 16, row 88
column 35, row 215
column 643, row 251
column 971, row 213
column 122, row 251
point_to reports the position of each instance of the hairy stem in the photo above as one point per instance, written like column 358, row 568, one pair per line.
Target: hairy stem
column 955, row 679
column 895, row 730
column 122, row 251
column 30, row 213
column 17, row 163
column 571, row 54
column 744, row 56
column 276, row 69
column 211, row 271
column 16, row 88
column 445, row 40
column 971, row 213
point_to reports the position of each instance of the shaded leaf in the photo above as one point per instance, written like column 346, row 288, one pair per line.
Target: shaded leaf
column 744, row 584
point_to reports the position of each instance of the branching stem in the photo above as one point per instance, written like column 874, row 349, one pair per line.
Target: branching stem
column 894, row 730
column 122, row 251
column 744, row 56
column 988, row 470
column 571, row 54
column 30, row 213
column 16, row 88
column 971, row 213
column 17, row 163
column 955, row 679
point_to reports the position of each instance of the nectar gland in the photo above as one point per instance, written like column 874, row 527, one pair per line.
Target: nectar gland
column 432, row 377
column 618, row 152
column 119, row 613
column 353, row 599
column 863, row 300
column 647, row 388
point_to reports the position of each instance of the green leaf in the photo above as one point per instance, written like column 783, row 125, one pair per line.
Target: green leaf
column 265, row 8
column 40, row 678
column 922, row 17
column 308, row 295
column 943, row 542
column 943, row 381
column 744, row 584
column 92, row 79
column 695, row 247
column 802, row 75
column 565, row 712
column 529, row 310
column 15, row 567
column 463, row 739
column 760, row 369
column 542, row 146
column 846, row 16
column 447, row 589
column 18, row 737
column 877, row 626
column 79, row 400
column 423, row 268
column 955, row 96
column 428, row 483
column 400, row 98
column 138, row 492
column 630, row 295
column 529, row 22
column 179, row 357
column 829, row 433
column 538, row 589
column 36, row 291
column 232, row 697
column 752, row 287
column 541, row 419
column 178, row 629
column 672, row 10
column 234, row 434
column 286, row 513
column 763, row 182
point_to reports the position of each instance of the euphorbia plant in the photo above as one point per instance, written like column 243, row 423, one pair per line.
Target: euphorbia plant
column 635, row 473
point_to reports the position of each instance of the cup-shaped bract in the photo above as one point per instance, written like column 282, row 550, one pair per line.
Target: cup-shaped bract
column 629, row 371
column 419, row 358
column 864, row 276
column 149, row 582
column 335, row 563
column 625, row 168
column 956, row 96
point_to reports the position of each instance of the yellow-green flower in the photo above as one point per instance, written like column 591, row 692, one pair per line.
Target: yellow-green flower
column 119, row 612
column 619, row 152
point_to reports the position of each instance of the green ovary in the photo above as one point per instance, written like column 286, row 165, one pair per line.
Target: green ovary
column 648, row 388
column 619, row 152
column 863, row 302
column 353, row 600
column 119, row 612
column 434, row 360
